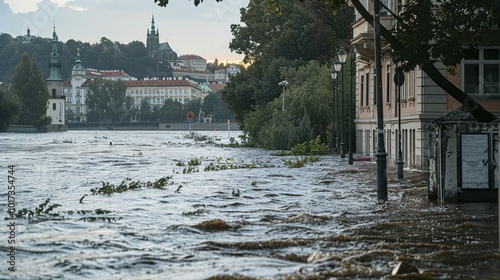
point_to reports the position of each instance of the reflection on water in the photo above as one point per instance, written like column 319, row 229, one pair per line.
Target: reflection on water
column 228, row 213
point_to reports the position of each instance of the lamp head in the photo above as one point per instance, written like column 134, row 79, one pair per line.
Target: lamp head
column 333, row 75
column 342, row 55
column 337, row 66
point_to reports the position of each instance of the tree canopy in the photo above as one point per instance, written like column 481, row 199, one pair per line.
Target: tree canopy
column 10, row 107
column 31, row 90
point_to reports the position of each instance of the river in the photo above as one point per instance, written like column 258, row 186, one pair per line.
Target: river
column 217, row 212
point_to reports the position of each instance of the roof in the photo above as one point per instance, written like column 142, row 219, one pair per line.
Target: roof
column 216, row 87
column 142, row 83
column 461, row 114
column 113, row 73
column 190, row 56
column 164, row 47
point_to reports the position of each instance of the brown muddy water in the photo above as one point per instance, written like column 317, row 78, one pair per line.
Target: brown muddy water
column 216, row 212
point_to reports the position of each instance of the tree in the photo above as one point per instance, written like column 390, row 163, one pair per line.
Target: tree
column 108, row 100
column 171, row 111
column 10, row 107
column 214, row 106
column 194, row 106
column 30, row 88
column 145, row 113
column 307, row 31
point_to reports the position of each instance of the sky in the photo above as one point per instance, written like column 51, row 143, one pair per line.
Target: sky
column 203, row 30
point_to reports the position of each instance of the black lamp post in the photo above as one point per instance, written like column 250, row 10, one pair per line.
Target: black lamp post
column 399, row 79
column 352, row 114
column 334, row 75
column 336, row 68
column 381, row 154
column 342, row 55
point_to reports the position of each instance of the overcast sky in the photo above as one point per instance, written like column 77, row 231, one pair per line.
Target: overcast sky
column 203, row 30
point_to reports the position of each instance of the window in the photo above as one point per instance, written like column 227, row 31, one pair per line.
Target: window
column 78, row 110
column 78, row 100
column 54, row 106
column 481, row 72
column 54, row 93
column 383, row 10
column 362, row 90
column 367, row 91
column 388, row 84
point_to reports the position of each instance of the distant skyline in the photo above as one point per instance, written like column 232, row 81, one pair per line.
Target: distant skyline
column 203, row 30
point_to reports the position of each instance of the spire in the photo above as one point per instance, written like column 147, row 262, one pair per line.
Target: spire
column 54, row 60
column 153, row 24
column 54, row 41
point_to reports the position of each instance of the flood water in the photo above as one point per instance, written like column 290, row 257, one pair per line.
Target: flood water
column 224, row 213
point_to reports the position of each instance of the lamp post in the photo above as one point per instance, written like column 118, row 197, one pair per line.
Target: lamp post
column 381, row 155
column 283, row 83
column 352, row 114
column 334, row 75
column 342, row 55
column 336, row 68
column 399, row 79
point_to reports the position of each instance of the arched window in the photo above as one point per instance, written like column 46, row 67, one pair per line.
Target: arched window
column 54, row 93
column 54, row 106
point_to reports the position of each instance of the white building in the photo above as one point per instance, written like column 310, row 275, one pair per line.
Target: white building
column 76, row 91
column 157, row 91
column 194, row 62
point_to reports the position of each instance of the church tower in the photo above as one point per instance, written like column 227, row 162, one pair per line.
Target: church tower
column 55, row 81
column 153, row 38
column 56, row 108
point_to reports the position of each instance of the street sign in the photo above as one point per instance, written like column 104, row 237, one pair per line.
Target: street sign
column 399, row 77
column 190, row 116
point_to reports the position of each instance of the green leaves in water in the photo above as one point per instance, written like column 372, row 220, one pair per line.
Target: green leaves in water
column 301, row 162
column 45, row 209
column 128, row 185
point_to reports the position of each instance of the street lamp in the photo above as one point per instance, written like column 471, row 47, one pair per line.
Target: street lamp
column 283, row 83
column 342, row 55
column 334, row 75
column 337, row 67
column 399, row 79
column 352, row 114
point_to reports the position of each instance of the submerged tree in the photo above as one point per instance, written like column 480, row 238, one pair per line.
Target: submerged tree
column 30, row 88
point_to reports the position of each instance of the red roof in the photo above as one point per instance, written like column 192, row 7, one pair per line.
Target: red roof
column 142, row 83
column 190, row 56
column 216, row 87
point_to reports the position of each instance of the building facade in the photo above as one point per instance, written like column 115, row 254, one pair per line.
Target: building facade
column 422, row 101
column 194, row 62
column 76, row 91
column 157, row 91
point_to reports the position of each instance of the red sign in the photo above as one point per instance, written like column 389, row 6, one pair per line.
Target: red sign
column 190, row 116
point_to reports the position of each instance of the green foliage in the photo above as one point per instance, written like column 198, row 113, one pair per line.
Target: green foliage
column 108, row 101
column 227, row 164
column 213, row 106
column 30, row 88
column 312, row 147
column 301, row 162
column 10, row 107
column 308, row 110
column 43, row 209
column 128, row 185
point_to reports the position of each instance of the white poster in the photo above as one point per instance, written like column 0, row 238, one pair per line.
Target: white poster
column 475, row 161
